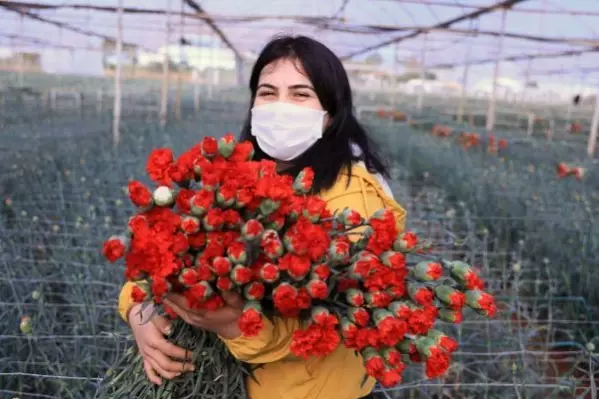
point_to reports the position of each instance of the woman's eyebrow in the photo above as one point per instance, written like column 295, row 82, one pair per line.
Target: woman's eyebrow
column 301, row 86
column 267, row 85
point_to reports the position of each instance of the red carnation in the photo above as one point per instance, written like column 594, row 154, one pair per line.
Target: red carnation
column 209, row 147
column 139, row 294
column 285, row 299
column 197, row 241
column 389, row 378
column 373, row 363
column 114, row 249
column 183, row 200
column 420, row 321
column 158, row 164
column 250, row 323
column 437, row 362
column 139, row 194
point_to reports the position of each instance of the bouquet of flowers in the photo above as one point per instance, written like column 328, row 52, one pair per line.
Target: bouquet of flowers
column 218, row 221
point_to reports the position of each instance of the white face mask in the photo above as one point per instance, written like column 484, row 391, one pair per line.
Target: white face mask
column 285, row 131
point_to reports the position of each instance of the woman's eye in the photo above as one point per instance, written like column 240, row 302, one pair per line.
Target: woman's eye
column 266, row 93
column 302, row 95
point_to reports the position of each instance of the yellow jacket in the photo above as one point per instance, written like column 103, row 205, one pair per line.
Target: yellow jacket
column 283, row 376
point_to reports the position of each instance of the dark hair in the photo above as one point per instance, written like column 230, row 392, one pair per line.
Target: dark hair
column 333, row 151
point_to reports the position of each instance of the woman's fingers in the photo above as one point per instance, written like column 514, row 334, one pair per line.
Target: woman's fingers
column 162, row 324
column 173, row 351
column 165, row 367
column 233, row 299
column 151, row 373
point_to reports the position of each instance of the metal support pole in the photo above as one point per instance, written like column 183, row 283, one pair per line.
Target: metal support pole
column 420, row 99
column 165, row 70
column 394, row 84
column 180, row 66
column 460, row 113
column 493, row 98
column 592, row 144
column 21, row 50
column 116, row 117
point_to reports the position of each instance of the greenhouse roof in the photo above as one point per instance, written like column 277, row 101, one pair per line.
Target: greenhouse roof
column 541, row 37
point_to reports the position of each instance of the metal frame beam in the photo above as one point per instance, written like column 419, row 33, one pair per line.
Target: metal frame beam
column 446, row 24
column 198, row 8
column 523, row 57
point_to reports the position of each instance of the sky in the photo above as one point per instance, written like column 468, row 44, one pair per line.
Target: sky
column 148, row 31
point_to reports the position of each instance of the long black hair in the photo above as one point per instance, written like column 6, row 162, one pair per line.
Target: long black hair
column 333, row 152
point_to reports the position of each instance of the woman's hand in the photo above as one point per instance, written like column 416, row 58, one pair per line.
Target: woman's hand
column 222, row 321
column 161, row 357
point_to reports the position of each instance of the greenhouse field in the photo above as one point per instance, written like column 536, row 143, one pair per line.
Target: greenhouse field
column 532, row 235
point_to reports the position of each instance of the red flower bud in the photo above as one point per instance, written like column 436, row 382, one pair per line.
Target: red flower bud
column 254, row 291
column 402, row 309
column 237, row 253
column 209, row 147
column 201, row 290
column 252, row 230
column 241, row 275
column 450, row 296
column 355, row 297
column 201, row 201
column 269, row 273
column 350, row 218
column 339, row 251
column 224, row 283
column 303, row 181
column 359, row 316
column 226, row 145
column 446, row 343
column 321, row 271
column 318, row 289
column 428, row 271
column 188, row 277
column 221, row 266
column 271, row 244
column 465, row 276
column 394, row 260
column 420, row 293
column 405, row 242
column 482, row 302
column 451, row 315
column 378, row 299
column 190, row 224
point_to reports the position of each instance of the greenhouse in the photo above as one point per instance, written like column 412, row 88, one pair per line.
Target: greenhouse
column 486, row 111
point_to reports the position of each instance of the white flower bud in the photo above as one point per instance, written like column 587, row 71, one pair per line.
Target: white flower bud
column 516, row 267
column 591, row 347
column 163, row 196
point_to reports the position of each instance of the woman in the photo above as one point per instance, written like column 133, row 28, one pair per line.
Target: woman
column 301, row 115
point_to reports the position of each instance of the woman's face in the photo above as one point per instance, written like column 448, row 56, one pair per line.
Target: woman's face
column 284, row 80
